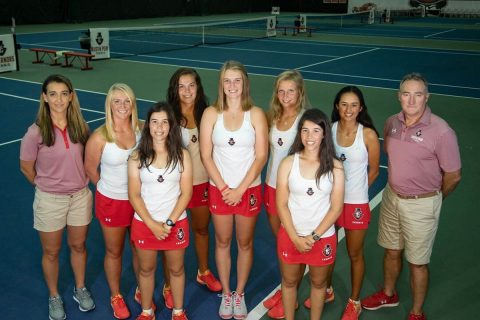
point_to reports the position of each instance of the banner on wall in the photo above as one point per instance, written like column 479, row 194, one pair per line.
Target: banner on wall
column 99, row 43
column 8, row 58
column 272, row 26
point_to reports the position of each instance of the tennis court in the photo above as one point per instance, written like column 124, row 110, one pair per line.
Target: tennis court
column 373, row 57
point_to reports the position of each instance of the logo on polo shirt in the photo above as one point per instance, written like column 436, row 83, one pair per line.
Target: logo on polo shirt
column 357, row 213
column 160, row 179
column 394, row 130
column 343, row 157
column 310, row 191
column 280, row 142
column 231, row 142
column 194, row 139
column 327, row 250
column 418, row 133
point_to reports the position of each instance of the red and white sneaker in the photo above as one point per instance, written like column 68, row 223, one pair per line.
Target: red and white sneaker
column 413, row 316
column 138, row 299
column 209, row 280
column 168, row 297
column 120, row 309
column 352, row 310
column 273, row 300
column 379, row 300
column 329, row 297
column 146, row 316
column 179, row 316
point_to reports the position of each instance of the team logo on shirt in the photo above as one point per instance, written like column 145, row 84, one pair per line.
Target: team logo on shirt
column 310, row 191
column 343, row 157
column 418, row 136
column 327, row 250
column 357, row 213
column 231, row 142
column 280, row 142
column 180, row 234
column 252, row 200
column 160, row 179
column 418, row 133
column 194, row 138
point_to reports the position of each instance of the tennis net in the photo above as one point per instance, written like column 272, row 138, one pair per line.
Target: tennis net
column 169, row 37
column 338, row 21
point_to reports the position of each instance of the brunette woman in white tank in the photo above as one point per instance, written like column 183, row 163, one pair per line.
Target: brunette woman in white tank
column 310, row 187
column 234, row 147
column 356, row 144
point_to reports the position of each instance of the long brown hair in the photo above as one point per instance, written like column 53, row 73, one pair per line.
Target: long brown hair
column 76, row 125
column 326, row 153
column 146, row 153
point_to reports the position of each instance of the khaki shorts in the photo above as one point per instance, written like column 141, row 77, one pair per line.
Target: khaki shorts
column 409, row 224
column 52, row 212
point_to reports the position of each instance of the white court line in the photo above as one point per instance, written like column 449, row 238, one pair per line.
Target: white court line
column 259, row 311
column 342, row 57
column 17, row 140
column 435, row 34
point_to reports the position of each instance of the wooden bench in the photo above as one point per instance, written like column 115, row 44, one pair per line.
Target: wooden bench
column 41, row 53
column 78, row 56
column 296, row 30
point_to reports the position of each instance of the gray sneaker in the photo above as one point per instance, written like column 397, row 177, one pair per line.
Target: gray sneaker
column 55, row 308
column 239, row 306
column 84, row 299
column 226, row 306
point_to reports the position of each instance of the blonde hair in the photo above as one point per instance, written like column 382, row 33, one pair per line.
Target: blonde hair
column 76, row 125
column 276, row 109
column 107, row 130
column 221, row 103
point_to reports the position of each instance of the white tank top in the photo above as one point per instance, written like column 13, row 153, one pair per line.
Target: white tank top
column 191, row 143
column 355, row 163
column 308, row 203
column 234, row 151
column 113, row 181
column 160, row 191
column 280, row 143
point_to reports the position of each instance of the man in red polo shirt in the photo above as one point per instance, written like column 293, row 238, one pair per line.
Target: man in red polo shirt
column 423, row 169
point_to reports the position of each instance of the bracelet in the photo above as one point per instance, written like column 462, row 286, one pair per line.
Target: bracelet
column 224, row 188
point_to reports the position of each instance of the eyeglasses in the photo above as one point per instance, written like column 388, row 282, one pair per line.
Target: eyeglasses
column 119, row 102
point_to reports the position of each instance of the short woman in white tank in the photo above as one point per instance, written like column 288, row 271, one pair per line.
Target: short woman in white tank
column 233, row 146
column 356, row 144
column 310, row 186
column 288, row 102
column 159, row 188
column 108, row 148
column 186, row 95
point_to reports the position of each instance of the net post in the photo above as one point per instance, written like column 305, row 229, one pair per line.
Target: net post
column 203, row 34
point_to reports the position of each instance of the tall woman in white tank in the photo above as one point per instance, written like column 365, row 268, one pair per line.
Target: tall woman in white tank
column 310, row 187
column 108, row 149
column 186, row 95
column 356, row 144
column 233, row 145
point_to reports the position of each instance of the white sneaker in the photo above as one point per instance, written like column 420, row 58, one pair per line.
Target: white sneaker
column 226, row 306
column 239, row 306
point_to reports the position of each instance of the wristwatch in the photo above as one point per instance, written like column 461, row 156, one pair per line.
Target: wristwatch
column 170, row 223
column 315, row 236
